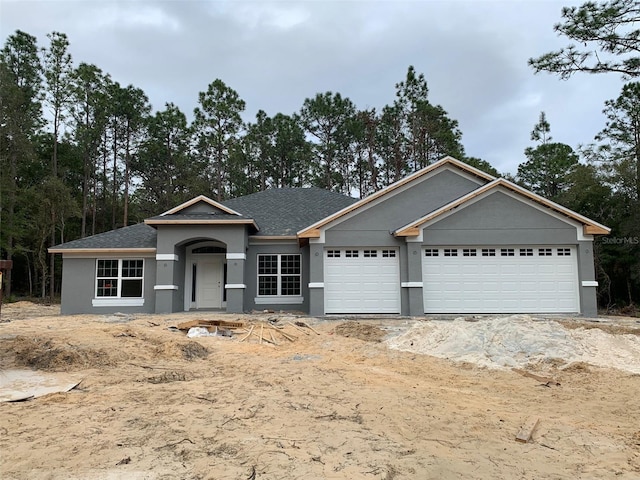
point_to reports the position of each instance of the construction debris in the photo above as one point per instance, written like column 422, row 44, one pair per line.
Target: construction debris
column 263, row 332
column 209, row 324
column 268, row 333
column 524, row 435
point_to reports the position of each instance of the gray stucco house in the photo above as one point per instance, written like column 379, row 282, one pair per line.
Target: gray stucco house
column 446, row 239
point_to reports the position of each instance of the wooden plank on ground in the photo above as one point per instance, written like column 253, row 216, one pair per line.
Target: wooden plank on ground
column 524, row 435
column 209, row 323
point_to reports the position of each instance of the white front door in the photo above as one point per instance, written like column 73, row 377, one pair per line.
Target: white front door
column 209, row 282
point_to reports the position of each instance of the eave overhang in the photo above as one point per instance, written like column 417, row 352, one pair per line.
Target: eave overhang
column 103, row 251
column 170, row 221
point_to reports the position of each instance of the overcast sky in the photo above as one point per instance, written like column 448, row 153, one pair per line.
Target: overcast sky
column 277, row 53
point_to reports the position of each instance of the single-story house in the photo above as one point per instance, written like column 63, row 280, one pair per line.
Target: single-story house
column 446, row 239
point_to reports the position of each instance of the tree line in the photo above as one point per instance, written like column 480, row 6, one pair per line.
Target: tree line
column 82, row 154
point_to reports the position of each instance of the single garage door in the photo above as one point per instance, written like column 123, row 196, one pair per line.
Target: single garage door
column 361, row 281
column 500, row 279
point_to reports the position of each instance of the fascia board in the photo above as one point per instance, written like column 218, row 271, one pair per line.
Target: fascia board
column 92, row 252
column 201, row 222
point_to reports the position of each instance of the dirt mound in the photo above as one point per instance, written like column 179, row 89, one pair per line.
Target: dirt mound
column 605, row 327
column 23, row 310
column 185, row 350
column 44, row 354
column 361, row 331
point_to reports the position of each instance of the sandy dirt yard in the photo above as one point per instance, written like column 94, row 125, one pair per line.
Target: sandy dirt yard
column 329, row 402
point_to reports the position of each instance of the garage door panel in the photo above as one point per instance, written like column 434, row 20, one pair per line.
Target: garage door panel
column 535, row 279
column 528, row 269
column 366, row 283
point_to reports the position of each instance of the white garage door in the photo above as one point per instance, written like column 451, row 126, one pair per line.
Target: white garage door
column 361, row 281
column 500, row 280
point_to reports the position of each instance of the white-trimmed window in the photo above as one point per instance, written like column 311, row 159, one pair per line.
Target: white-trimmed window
column 564, row 252
column 544, row 252
column 469, row 252
column 450, row 252
column 351, row 253
column 388, row 254
column 488, row 252
column 507, row 252
column 119, row 278
column 430, row 252
column 370, row 253
column 279, row 275
column 526, row 252
column 333, row 253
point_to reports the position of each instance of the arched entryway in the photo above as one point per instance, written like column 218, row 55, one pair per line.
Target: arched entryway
column 205, row 275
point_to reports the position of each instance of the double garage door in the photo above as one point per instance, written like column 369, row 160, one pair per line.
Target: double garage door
column 361, row 281
column 500, row 279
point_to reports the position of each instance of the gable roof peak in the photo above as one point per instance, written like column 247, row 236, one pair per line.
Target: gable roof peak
column 591, row 227
column 449, row 160
column 200, row 198
column 312, row 231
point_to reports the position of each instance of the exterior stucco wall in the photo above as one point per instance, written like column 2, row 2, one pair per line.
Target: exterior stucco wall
column 586, row 271
column 316, row 279
column 200, row 207
column 171, row 241
column 79, row 283
column 499, row 219
column 251, row 275
column 403, row 207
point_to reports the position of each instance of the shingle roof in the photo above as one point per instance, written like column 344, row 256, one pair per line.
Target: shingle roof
column 134, row 236
column 278, row 212
column 285, row 211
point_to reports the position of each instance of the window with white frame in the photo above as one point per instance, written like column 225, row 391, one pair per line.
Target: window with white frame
column 119, row 278
column 279, row 275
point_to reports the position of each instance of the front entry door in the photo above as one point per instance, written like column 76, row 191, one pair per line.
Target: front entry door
column 209, row 282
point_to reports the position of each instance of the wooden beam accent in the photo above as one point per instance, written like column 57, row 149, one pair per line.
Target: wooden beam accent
column 408, row 232
column 313, row 233
column 594, row 230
